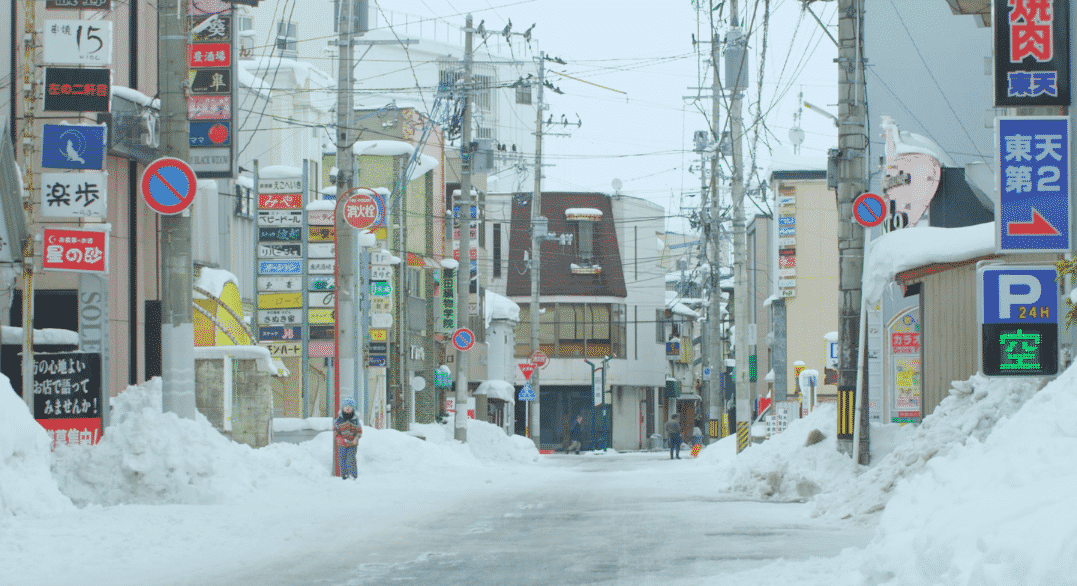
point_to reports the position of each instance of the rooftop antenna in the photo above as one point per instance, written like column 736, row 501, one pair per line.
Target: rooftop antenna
column 796, row 134
column 616, row 184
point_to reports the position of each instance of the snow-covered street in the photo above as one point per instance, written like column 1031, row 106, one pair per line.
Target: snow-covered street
column 974, row 495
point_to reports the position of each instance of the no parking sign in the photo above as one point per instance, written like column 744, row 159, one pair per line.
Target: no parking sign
column 169, row 185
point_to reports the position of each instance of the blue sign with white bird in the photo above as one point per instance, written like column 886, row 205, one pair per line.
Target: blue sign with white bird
column 73, row 146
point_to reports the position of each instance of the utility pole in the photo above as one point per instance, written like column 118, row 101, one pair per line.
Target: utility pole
column 715, row 353
column 850, row 155
column 463, row 222
column 737, row 82
column 177, row 280
column 536, row 251
column 346, row 365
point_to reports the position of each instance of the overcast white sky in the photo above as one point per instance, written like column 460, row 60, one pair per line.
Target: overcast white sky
column 639, row 130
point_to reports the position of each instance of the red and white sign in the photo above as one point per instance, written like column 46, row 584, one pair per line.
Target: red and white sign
column 540, row 359
column 527, row 368
column 209, row 107
column 169, row 185
column 321, row 349
column 456, row 252
column 905, row 342
column 75, row 250
column 80, row 432
column 361, row 209
column 200, row 55
column 280, row 201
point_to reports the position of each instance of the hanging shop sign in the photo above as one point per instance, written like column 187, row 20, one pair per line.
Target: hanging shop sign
column 73, row 146
column 71, row 89
column 279, row 333
column 321, row 266
column 275, row 250
column 75, row 250
column 79, row 4
column 274, row 284
column 1018, row 310
column 280, row 217
column 209, row 107
column 787, row 258
column 217, row 29
column 280, row 300
column 321, row 233
column 289, row 234
column 273, row 317
column 320, row 217
column 201, row 55
column 74, row 195
column 320, row 316
column 211, row 162
column 280, row 267
column 321, row 250
column 284, row 349
column 210, row 81
column 210, row 134
column 1031, row 53
column 77, row 42
column 322, row 283
column 280, row 201
column 322, row 299
column 322, row 332
column 280, row 185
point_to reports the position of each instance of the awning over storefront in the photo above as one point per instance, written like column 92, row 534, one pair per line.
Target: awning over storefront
column 415, row 260
column 497, row 389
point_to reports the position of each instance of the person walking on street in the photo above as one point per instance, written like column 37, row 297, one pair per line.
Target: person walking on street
column 347, row 429
column 574, row 435
column 673, row 432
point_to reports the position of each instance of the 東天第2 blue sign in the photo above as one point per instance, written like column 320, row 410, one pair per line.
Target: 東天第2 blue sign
column 73, row 146
column 1033, row 211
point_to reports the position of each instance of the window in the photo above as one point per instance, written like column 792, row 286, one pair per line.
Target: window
column 660, row 326
column 286, row 39
column 497, row 250
column 244, row 202
column 571, row 330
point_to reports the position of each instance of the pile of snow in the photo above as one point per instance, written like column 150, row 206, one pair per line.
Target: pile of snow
column 969, row 414
column 26, row 486
column 782, row 468
column 994, row 509
column 150, row 457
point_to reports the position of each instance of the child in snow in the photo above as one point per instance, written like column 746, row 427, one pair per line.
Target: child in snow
column 347, row 429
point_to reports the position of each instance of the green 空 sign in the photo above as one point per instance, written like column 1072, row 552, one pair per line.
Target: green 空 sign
column 381, row 288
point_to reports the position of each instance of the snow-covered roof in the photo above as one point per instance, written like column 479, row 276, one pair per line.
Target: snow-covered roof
column 213, row 280
column 831, row 337
column 497, row 389
column 583, row 212
column 259, row 353
column 424, row 165
column 279, row 172
column 253, row 82
column 500, row 307
column 770, row 376
column 384, row 148
column 910, row 248
column 322, row 205
column 302, row 70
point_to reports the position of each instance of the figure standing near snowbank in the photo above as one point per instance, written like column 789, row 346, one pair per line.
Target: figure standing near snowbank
column 673, row 432
column 347, row 429
column 574, row 434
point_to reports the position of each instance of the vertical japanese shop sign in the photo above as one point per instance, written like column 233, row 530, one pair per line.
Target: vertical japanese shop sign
column 1033, row 213
column 278, row 244
column 67, row 396
column 211, row 79
column 447, row 320
column 1031, row 52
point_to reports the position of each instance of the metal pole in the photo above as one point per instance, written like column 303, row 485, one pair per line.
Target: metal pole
column 604, row 416
column 305, row 293
column 594, row 368
column 463, row 221
column 177, row 325
column 736, row 41
column 851, row 145
column 28, row 323
column 536, row 254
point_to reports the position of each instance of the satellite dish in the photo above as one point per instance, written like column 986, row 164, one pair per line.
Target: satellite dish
column 616, row 184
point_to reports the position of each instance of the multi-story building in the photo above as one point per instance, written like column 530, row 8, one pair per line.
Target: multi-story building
column 602, row 299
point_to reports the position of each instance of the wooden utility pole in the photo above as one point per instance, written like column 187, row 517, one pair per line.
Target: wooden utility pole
column 533, row 420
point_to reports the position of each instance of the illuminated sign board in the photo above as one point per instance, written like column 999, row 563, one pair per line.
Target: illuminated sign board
column 1018, row 307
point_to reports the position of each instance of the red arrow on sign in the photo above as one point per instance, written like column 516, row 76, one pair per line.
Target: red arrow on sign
column 527, row 368
column 1037, row 227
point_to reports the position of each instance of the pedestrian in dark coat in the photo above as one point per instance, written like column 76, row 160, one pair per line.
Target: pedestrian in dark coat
column 673, row 432
column 574, row 434
column 347, row 429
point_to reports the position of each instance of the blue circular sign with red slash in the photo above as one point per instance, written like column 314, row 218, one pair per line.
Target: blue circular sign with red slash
column 869, row 210
column 463, row 339
column 169, row 185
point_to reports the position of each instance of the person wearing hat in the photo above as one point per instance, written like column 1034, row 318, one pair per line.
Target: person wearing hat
column 347, row 429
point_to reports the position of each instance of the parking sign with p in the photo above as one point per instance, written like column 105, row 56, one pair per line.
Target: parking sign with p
column 1018, row 307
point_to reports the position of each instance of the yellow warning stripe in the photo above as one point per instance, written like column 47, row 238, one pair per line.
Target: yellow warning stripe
column 846, row 413
column 742, row 436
